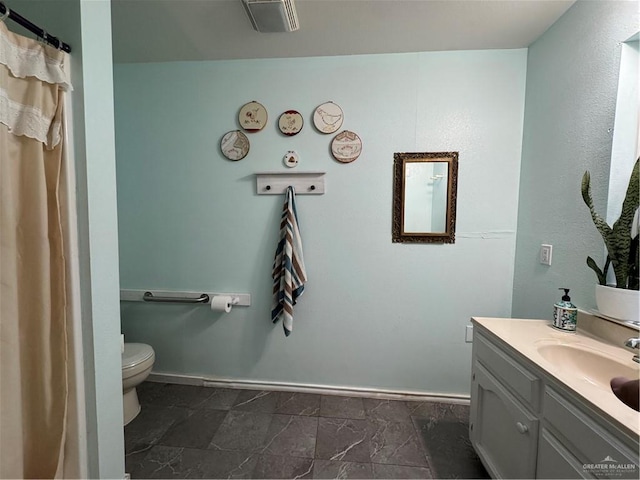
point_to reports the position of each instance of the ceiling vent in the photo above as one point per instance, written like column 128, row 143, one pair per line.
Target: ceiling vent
column 272, row 15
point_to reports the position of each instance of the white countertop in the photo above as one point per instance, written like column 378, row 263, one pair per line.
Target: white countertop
column 526, row 336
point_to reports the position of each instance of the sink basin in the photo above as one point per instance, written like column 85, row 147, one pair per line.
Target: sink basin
column 589, row 364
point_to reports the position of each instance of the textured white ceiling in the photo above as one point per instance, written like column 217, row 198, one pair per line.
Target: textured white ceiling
column 183, row 30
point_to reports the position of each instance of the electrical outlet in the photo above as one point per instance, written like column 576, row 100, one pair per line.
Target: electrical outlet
column 545, row 254
column 468, row 334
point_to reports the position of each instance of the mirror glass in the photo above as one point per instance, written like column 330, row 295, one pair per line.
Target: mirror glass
column 424, row 197
column 626, row 132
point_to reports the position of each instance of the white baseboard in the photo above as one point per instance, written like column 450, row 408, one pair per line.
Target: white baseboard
column 307, row 388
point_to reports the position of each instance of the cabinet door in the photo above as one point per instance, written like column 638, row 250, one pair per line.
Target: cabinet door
column 502, row 431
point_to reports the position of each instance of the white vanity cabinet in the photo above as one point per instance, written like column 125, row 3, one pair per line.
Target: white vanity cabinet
column 526, row 424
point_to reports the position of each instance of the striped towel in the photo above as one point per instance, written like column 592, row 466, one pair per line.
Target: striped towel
column 289, row 275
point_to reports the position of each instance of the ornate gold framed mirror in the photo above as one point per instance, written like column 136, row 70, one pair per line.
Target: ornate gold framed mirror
column 424, row 197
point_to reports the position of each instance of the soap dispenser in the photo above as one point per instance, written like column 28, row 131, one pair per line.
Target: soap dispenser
column 565, row 313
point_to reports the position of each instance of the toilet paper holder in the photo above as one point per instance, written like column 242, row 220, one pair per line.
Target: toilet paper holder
column 234, row 300
column 197, row 298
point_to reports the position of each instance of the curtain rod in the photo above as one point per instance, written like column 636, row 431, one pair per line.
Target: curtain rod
column 20, row 20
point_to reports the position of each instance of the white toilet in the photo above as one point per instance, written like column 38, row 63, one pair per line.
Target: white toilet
column 137, row 361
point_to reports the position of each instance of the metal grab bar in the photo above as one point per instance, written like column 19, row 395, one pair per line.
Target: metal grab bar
column 148, row 297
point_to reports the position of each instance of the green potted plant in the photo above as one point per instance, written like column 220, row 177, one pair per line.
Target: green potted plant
column 621, row 300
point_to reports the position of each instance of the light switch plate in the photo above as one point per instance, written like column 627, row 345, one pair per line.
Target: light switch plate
column 468, row 335
column 545, row 254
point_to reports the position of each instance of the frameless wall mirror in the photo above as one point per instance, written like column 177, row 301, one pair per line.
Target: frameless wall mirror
column 424, row 197
column 626, row 131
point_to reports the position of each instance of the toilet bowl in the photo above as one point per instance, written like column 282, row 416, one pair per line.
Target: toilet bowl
column 137, row 361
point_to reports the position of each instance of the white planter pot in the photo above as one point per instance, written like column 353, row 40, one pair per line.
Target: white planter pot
column 618, row 303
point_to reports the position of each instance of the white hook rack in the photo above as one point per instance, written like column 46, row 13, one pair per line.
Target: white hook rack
column 304, row 183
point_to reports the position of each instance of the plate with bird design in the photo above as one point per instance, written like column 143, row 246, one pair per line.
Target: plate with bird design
column 346, row 146
column 252, row 116
column 328, row 117
column 290, row 123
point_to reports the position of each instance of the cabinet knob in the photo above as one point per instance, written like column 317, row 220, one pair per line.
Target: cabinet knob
column 522, row 428
column 473, row 376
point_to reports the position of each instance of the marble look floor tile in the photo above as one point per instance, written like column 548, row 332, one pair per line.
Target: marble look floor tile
column 399, row 471
column 195, row 431
column 160, row 462
column 392, row 410
column 292, row 436
column 342, row 407
column 439, row 410
column 150, row 425
column 260, row 401
column 342, row 439
column 148, row 391
column 275, row 466
column 341, row 470
column 242, row 431
column 177, row 462
column 134, row 461
column 173, row 395
column 449, row 449
column 198, row 432
column 396, row 443
column 220, row 399
column 293, row 403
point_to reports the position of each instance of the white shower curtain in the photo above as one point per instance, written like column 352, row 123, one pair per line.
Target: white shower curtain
column 33, row 310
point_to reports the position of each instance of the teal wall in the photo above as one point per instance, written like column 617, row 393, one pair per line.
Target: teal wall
column 572, row 80
column 374, row 314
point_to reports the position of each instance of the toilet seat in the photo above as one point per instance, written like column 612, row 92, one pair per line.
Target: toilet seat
column 134, row 354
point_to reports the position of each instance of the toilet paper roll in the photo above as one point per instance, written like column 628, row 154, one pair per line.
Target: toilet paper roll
column 221, row 303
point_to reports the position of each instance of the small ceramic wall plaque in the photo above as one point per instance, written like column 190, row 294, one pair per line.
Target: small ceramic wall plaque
column 290, row 122
column 252, row 117
column 234, row 145
column 328, row 117
column 346, row 146
column 291, row 159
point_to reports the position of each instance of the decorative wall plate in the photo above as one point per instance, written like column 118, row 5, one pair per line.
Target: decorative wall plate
column 291, row 159
column 234, row 145
column 253, row 116
column 328, row 117
column 346, row 146
column 290, row 122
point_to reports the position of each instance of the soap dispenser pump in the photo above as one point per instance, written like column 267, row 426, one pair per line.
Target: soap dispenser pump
column 565, row 313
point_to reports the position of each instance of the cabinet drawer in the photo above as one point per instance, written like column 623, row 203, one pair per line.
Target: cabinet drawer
column 588, row 441
column 519, row 380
